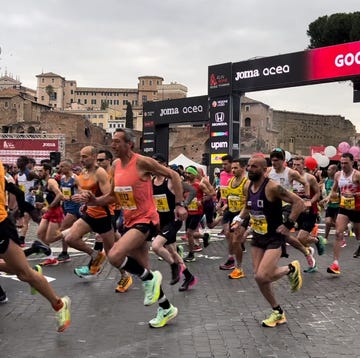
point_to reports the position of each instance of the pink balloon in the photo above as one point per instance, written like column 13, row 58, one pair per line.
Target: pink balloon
column 344, row 147
column 354, row 151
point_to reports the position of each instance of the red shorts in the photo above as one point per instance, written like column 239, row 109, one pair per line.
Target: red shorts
column 54, row 215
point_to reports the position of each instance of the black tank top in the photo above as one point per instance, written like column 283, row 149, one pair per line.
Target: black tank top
column 266, row 216
column 168, row 215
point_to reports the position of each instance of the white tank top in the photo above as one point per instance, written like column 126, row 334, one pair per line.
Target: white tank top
column 281, row 178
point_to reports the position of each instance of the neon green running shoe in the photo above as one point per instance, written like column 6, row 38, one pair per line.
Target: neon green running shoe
column 274, row 319
column 295, row 276
column 152, row 288
column 163, row 317
column 63, row 316
column 37, row 268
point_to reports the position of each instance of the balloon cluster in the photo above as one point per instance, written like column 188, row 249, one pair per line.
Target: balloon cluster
column 345, row 147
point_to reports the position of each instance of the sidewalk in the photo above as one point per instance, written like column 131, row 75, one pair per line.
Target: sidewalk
column 217, row 318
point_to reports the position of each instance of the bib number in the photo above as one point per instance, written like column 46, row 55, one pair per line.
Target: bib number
column 162, row 205
column 125, row 197
column 259, row 224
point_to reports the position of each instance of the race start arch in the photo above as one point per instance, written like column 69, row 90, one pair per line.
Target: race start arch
column 227, row 82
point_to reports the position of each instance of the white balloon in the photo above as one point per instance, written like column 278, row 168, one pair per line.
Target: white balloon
column 287, row 155
column 330, row 151
column 324, row 161
column 317, row 156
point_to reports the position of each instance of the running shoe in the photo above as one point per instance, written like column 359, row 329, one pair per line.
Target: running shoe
column 295, row 276
column 343, row 243
column 274, row 319
column 236, row 273
column 190, row 257
column 228, row 265
column 84, row 272
column 163, row 316
column 320, row 245
column 64, row 257
column 310, row 257
column 3, row 297
column 49, row 262
column 124, row 284
column 334, row 269
column 206, row 239
column 40, row 248
column 95, row 265
column 63, row 315
column 357, row 253
column 197, row 248
column 188, row 283
column 311, row 269
column 176, row 271
column 243, row 248
column 152, row 288
column 38, row 269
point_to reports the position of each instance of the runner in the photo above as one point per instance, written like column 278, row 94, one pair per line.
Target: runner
column 13, row 261
column 348, row 182
column 133, row 188
column 263, row 207
column 164, row 244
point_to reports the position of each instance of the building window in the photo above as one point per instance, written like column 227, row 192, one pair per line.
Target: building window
column 42, row 98
column 53, row 96
column 143, row 82
column 247, row 122
column 85, row 101
column 6, row 104
column 247, row 108
column 144, row 99
column 52, row 80
column 42, row 80
column 72, row 91
column 150, row 82
column 291, row 140
column 93, row 101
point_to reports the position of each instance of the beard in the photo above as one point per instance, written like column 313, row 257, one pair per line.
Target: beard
column 254, row 176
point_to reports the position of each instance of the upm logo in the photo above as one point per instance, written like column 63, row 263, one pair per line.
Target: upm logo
column 217, row 145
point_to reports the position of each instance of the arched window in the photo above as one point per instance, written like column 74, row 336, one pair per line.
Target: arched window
column 247, row 122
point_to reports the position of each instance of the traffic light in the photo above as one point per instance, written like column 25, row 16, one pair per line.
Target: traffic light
column 205, row 159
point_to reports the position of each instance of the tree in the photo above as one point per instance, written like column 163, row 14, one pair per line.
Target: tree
column 334, row 29
column 129, row 123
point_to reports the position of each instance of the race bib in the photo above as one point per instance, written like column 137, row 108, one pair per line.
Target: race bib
column 125, row 197
column 162, row 205
column 66, row 192
column 193, row 205
column 347, row 203
column 259, row 224
column 234, row 203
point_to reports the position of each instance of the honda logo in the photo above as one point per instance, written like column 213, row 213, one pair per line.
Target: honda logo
column 219, row 117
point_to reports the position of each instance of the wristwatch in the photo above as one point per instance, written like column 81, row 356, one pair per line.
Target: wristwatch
column 180, row 203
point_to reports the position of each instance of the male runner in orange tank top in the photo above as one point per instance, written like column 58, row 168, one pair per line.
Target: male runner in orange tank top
column 132, row 187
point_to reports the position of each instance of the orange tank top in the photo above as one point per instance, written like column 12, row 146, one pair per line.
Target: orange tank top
column 89, row 183
column 3, row 212
column 134, row 194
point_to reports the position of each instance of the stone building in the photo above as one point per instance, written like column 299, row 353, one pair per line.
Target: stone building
column 20, row 114
column 297, row 132
column 59, row 93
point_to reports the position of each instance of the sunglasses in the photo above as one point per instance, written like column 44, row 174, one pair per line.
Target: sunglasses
column 277, row 150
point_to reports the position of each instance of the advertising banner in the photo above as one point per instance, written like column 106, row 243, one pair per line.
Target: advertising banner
column 325, row 64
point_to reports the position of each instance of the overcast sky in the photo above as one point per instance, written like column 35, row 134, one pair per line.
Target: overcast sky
column 110, row 43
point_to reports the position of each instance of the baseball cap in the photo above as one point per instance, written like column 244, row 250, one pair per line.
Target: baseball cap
column 277, row 153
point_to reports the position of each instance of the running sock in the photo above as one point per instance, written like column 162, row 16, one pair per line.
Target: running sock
column 132, row 266
column 291, row 269
column 187, row 273
column 163, row 301
column 279, row 309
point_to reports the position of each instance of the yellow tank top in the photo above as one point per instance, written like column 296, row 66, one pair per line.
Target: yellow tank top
column 3, row 212
column 235, row 196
